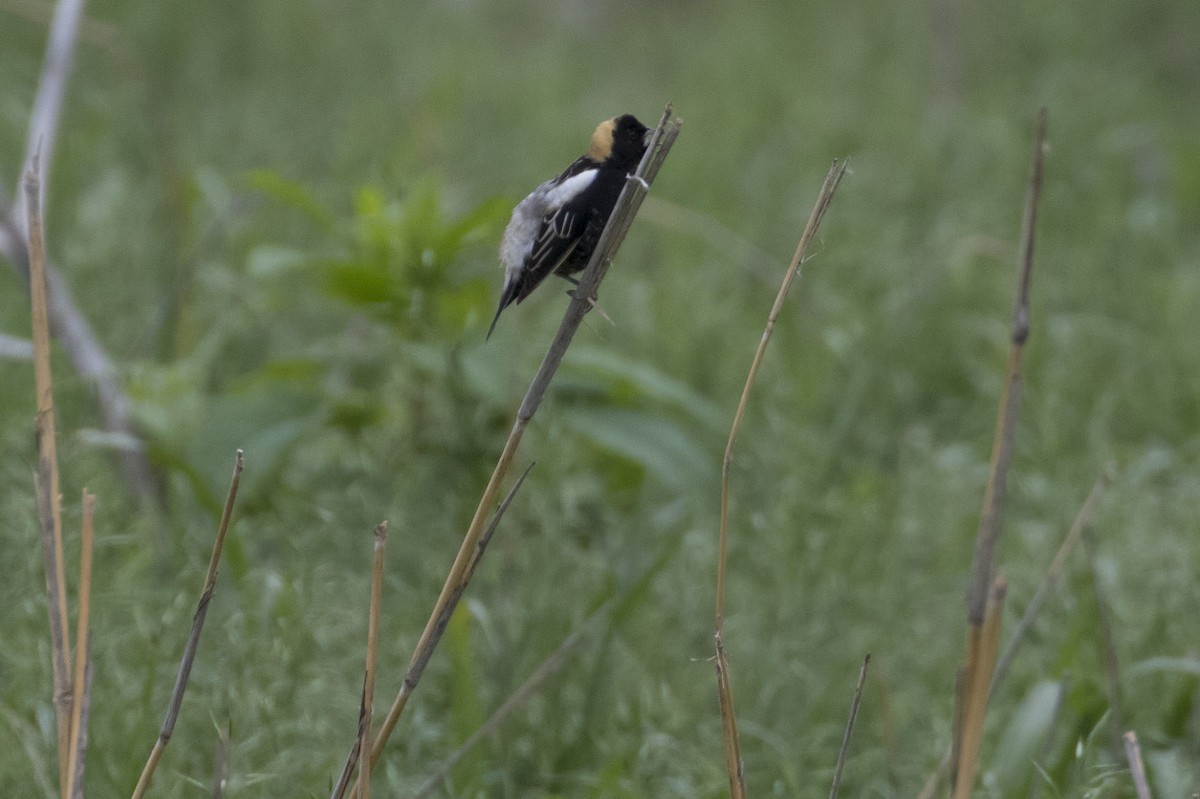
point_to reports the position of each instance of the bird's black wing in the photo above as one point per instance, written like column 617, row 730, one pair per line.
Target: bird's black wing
column 560, row 232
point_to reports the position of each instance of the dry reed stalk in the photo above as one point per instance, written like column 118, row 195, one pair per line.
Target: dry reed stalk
column 1133, row 753
column 70, row 326
column 1082, row 520
column 189, row 651
column 50, row 501
column 84, row 700
column 83, row 643
column 845, row 747
column 733, row 756
column 735, row 766
column 413, row 675
column 583, row 300
column 982, row 565
column 1076, row 531
column 982, row 647
column 983, row 561
column 368, row 693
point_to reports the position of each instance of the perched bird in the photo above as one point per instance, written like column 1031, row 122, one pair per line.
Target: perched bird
column 555, row 229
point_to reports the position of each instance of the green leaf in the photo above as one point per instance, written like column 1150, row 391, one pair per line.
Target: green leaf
column 650, row 440
column 1183, row 665
column 1022, row 737
column 290, row 193
column 359, row 283
column 267, row 261
column 629, row 378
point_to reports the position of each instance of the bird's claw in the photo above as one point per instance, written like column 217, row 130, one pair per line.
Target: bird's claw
column 595, row 306
column 638, row 179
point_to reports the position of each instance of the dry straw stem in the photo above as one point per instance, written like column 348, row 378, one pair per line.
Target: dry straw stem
column 49, row 501
column 733, row 756
column 1082, row 520
column 824, row 198
column 417, row 668
column 841, row 760
column 582, row 301
column 735, row 767
column 189, row 652
column 368, row 692
column 1076, row 531
column 979, row 602
column 982, row 646
column 84, row 700
column 1133, row 753
column 83, row 646
column 363, row 739
column 70, row 326
column 982, row 566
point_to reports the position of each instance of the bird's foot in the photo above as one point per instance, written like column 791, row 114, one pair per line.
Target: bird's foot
column 640, row 181
column 595, row 305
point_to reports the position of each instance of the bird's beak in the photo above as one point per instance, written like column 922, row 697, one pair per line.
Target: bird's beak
column 648, row 136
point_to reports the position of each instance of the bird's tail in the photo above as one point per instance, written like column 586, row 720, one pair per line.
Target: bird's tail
column 512, row 290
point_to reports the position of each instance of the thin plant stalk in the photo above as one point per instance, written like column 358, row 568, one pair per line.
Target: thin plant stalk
column 1077, row 529
column 824, row 198
column 551, row 665
column 733, row 756
column 1082, row 520
column 582, row 301
column 1003, row 445
column 735, row 766
column 845, row 747
column 82, row 637
column 1133, row 753
column 982, row 648
column 193, row 642
column 84, row 701
column 368, row 694
column 50, row 501
column 70, row 326
column 414, row 672
column 983, row 563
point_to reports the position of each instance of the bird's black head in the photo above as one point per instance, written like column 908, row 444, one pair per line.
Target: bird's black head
column 620, row 141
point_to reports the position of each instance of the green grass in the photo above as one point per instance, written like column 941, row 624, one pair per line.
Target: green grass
column 282, row 220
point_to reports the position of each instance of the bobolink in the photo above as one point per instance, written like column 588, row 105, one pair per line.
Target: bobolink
column 556, row 228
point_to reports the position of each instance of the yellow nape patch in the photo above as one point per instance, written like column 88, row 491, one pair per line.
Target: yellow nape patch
column 602, row 140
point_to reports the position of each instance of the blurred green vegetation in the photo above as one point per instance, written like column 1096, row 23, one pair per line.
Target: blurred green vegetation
column 281, row 218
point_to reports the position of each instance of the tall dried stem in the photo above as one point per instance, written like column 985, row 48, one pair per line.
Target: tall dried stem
column 971, row 704
column 733, row 756
column 49, row 498
column 193, row 642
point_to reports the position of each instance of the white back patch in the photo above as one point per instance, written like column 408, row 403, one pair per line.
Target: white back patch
column 569, row 189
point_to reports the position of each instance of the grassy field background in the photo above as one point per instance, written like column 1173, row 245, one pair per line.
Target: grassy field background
column 282, row 220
